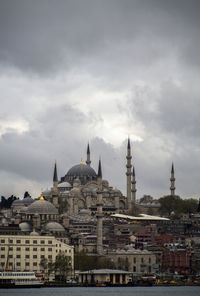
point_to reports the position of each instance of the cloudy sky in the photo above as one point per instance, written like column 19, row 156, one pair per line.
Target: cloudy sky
column 98, row 71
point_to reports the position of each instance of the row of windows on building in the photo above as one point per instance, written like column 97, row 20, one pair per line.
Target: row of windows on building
column 26, row 256
column 27, row 249
column 19, row 264
column 135, row 260
column 18, row 241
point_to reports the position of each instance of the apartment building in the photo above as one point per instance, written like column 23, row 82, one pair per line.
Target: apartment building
column 25, row 252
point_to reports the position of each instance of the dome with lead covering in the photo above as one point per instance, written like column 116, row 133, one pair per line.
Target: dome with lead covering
column 25, row 226
column 54, row 226
column 42, row 207
column 82, row 171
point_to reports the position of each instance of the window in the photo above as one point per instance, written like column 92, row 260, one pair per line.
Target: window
column 134, row 260
column 27, row 256
column 34, row 249
column 49, row 242
column 50, row 256
column 34, row 263
column 18, row 241
column 18, row 264
column 2, row 256
column 27, row 249
column 18, row 256
column 18, row 249
column 10, row 241
column 42, row 249
column 3, row 241
column 42, row 241
column 142, row 260
column 27, row 264
column 34, row 242
column 134, row 268
column 2, row 248
column 27, row 241
column 42, row 256
column 10, row 256
column 34, row 256
column 49, row 249
column 149, row 259
column 11, row 248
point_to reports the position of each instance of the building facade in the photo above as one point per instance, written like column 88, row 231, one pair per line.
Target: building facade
column 25, row 252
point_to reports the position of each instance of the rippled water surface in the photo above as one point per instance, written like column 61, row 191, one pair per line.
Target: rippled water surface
column 124, row 291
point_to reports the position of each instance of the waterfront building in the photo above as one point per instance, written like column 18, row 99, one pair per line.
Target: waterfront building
column 25, row 252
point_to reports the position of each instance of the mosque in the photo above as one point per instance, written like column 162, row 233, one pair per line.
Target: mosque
column 77, row 190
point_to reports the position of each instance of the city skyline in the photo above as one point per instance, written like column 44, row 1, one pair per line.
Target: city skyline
column 73, row 72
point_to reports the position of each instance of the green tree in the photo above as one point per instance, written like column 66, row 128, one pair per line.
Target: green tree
column 61, row 266
column 169, row 204
column 82, row 262
column 175, row 204
column 62, row 206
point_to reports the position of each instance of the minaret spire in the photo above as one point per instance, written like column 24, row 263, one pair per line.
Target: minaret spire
column 133, row 187
column 88, row 161
column 55, row 175
column 128, row 174
column 99, row 211
column 172, row 181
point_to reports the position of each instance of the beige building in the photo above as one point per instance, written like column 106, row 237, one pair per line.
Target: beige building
column 134, row 260
column 24, row 252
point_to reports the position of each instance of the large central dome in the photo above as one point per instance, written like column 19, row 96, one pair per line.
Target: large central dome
column 84, row 172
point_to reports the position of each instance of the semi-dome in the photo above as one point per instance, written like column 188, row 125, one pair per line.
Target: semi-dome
column 54, row 226
column 84, row 172
column 64, row 184
column 42, row 207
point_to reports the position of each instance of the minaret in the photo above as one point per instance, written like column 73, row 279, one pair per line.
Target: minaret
column 172, row 181
column 99, row 214
column 55, row 177
column 133, row 187
column 88, row 161
column 128, row 174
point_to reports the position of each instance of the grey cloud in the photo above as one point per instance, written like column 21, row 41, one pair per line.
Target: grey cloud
column 46, row 36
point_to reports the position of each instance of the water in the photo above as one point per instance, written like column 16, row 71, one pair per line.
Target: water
column 101, row 291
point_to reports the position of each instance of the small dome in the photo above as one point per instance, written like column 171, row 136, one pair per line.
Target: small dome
column 27, row 201
column 64, row 185
column 42, row 207
column 25, row 226
column 17, row 202
column 84, row 212
column 54, row 226
column 34, row 233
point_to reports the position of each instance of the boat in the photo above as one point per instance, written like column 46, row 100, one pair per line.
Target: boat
column 19, row 279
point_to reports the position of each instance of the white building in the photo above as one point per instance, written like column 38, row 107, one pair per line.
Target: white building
column 25, row 252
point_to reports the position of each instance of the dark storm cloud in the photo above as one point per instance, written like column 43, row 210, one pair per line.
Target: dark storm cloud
column 44, row 36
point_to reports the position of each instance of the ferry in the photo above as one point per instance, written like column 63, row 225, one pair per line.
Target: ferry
column 19, row 279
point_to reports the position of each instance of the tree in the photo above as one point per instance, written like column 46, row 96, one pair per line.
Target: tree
column 61, row 266
column 175, row 204
column 62, row 206
column 82, row 262
column 44, row 266
column 26, row 194
column 6, row 203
